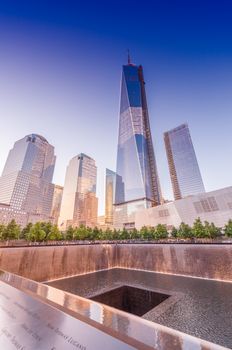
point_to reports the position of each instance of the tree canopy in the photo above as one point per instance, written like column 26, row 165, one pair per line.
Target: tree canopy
column 46, row 231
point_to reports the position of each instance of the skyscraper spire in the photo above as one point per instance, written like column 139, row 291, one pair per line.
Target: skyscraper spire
column 128, row 57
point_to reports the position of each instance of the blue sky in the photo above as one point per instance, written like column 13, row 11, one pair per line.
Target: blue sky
column 60, row 70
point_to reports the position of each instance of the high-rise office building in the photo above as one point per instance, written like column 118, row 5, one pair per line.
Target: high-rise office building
column 56, row 203
column 137, row 183
column 109, row 195
column 26, row 181
column 79, row 202
column 89, row 213
column 183, row 166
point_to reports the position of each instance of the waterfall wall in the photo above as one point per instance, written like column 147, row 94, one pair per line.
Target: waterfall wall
column 52, row 262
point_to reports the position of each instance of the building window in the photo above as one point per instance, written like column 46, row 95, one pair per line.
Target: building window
column 163, row 213
column 206, row 205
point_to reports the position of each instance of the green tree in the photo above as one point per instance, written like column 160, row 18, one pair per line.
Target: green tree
column 107, row 234
column 152, row 233
column 25, row 231
column 36, row 233
column 211, row 231
column 116, row 234
column 54, row 234
column 2, row 228
column 69, row 234
column 46, row 227
column 161, row 232
column 185, row 231
column 228, row 229
column 198, row 229
column 174, row 232
column 124, row 234
column 134, row 234
column 94, row 234
column 11, row 231
column 81, row 233
column 146, row 232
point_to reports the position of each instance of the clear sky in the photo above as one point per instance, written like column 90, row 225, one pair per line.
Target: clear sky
column 60, row 70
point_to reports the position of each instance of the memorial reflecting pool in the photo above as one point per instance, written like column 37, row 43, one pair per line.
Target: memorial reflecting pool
column 199, row 307
column 146, row 280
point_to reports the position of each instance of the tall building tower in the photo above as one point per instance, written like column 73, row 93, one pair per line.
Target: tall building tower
column 56, row 203
column 109, row 195
column 137, row 183
column 26, row 181
column 183, row 166
column 79, row 203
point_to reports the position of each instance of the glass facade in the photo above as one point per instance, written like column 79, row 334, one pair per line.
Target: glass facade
column 56, row 203
column 109, row 195
column 183, row 166
column 26, row 181
column 137, row 178
column 79, row 203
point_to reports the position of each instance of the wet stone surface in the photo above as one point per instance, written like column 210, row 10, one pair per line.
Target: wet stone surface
column 202, row 308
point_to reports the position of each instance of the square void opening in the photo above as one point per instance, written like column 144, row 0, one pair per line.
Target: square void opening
column 131, row 299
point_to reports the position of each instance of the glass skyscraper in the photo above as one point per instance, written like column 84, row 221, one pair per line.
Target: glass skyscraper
column 79, row 203
column 56, row 203
column 26, row 181
column 109, row 195
column 183, row 166
column 137, row 183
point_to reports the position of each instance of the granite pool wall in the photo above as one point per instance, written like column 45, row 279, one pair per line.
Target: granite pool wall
column 52, row 262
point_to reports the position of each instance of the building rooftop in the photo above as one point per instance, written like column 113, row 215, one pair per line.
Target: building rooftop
column 38, row 136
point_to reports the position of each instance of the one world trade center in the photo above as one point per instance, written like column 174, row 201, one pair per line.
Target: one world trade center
column 137, row 183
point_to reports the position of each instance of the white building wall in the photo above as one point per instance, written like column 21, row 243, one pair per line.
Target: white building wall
column 215, row 206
